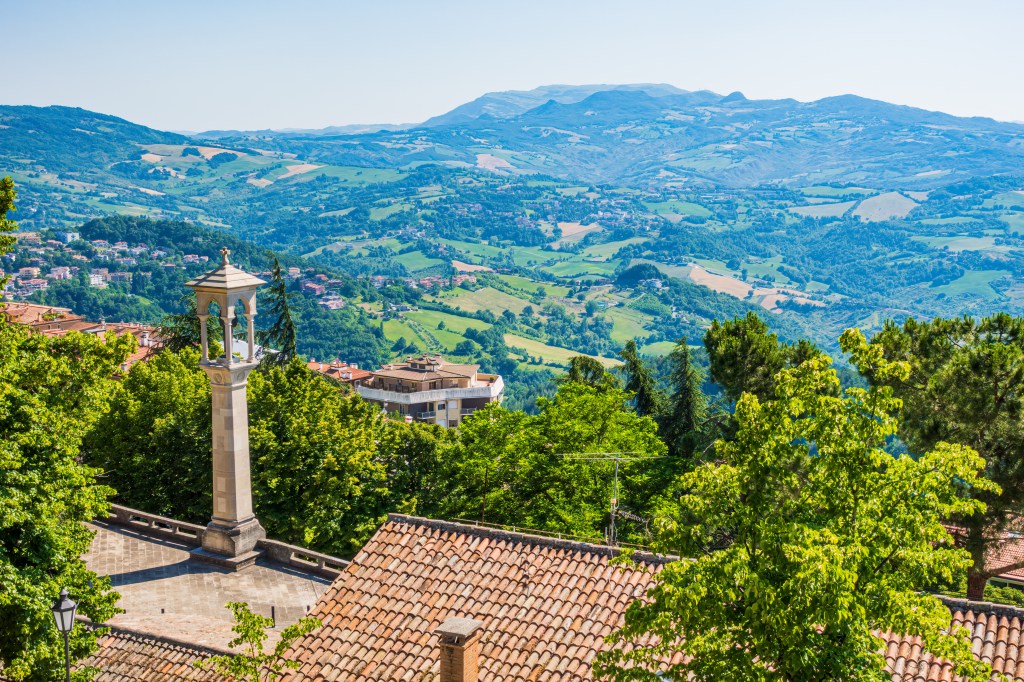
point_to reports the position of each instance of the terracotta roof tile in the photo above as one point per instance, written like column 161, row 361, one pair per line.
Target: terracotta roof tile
column 546, row 604
column 129, row 656
column 532, row 594
column 996, row 635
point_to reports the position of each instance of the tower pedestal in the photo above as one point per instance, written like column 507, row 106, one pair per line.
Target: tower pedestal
column 231, row 546
column 234, row 540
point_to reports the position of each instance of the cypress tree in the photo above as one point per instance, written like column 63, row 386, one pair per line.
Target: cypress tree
column 281, row 335
column 650, row 401
column 686, row 418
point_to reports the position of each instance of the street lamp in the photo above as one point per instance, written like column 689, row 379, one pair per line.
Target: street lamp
column 64, row 614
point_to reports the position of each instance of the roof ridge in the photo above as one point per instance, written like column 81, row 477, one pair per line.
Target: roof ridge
column 959, row 603
column 161, row 639
column 581, row 546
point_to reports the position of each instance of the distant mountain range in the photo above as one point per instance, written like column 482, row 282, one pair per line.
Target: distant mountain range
column 505, row 104
column 647, row 135
column 660, row 136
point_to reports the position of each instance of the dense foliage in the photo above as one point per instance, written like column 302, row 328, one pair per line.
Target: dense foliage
column 806, row 537
column 965, row 386
column 7, row 196
column 154, row 442
column 51, row 392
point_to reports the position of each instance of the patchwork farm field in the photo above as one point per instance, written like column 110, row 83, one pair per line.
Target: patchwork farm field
column 551, row 354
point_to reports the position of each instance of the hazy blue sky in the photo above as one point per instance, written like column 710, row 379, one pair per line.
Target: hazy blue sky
column 195, row 65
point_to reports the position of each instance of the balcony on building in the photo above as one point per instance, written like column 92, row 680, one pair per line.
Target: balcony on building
column 429, row 389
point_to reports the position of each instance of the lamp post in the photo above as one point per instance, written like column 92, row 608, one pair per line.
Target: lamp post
column 64, row 614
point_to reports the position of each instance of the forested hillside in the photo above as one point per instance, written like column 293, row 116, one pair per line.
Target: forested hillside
column 826, row 215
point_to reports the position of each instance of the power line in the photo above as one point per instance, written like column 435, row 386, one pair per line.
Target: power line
column 630, row 456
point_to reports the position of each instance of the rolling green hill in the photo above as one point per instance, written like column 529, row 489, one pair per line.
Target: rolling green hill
column 819, row 215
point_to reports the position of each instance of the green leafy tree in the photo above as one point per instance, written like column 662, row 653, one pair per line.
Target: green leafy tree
column 584, row 369
column 685, row 424
column 518, row 469
column 281, row 335
column 51, row 391
column 413, row 456
column 807, row 538
column 649, row 399
column 7, row 196
column 966, row 386
column 318, row 479
column 746, row 357
column 154, row 442
column 253, row 663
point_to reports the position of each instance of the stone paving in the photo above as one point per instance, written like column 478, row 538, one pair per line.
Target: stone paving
column 164, row 592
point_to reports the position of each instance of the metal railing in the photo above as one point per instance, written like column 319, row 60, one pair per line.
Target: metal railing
column 491, row 391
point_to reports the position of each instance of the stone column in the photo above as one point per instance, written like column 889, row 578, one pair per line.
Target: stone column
column 234, row 530
column 204, row 344
column 231, row 537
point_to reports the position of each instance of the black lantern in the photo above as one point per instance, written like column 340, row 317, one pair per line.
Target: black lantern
column 64, row 614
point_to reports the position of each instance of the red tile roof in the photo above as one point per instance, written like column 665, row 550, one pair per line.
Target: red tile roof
column 130, row 656
column 546, row 603
column 997, row 632
column 342, row 371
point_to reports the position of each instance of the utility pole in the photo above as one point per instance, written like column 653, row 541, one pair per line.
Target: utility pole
column 611, row 457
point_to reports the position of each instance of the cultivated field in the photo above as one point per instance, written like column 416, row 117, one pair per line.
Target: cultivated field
column 885, row 206
column 550, row 354
column 726, row 285
column 823, row 210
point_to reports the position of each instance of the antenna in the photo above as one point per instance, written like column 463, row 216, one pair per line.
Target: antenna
column 631, row 456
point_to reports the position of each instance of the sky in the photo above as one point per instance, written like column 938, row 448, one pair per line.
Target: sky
column 232, row 64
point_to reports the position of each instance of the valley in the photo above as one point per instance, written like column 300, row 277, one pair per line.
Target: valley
column 518, row 247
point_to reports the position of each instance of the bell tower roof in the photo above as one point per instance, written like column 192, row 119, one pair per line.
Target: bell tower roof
column 225, row 277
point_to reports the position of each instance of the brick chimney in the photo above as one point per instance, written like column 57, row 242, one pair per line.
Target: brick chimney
column 460, row 647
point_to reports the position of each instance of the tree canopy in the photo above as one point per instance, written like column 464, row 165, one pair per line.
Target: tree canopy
column 965, row 385
column 533, row 471
column 7, row 196
column 746, row 357
column 805, row 538
column 649, row 399
column 684, row 425
column 51, row 391
column 154, row 443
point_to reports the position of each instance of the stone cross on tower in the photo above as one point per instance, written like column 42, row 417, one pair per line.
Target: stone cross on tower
column 231, row 536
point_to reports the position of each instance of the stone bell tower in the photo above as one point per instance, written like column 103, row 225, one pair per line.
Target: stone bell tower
column 231, row 536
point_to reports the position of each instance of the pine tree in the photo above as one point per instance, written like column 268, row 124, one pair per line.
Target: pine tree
column 281, row 335
column 684, row 423
column 649, row 400
column 181, row 330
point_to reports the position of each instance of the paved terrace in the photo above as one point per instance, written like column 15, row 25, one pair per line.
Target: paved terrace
column 167, row 593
